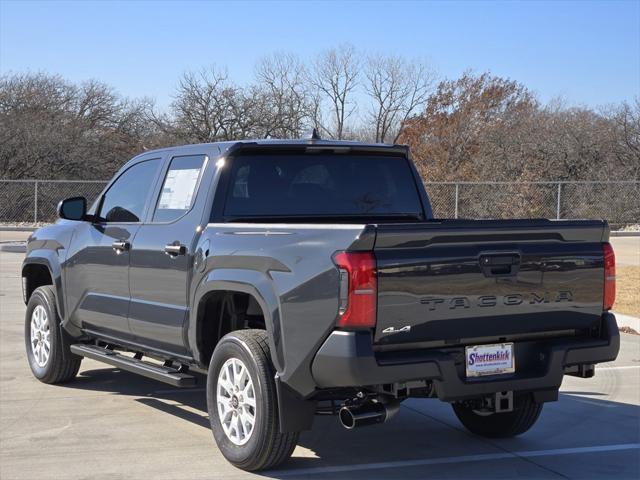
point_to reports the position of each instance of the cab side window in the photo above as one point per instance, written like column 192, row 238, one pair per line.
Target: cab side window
column 125, row 199
column 179, row 188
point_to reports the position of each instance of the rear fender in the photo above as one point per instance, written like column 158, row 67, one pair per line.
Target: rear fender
column 252, row 282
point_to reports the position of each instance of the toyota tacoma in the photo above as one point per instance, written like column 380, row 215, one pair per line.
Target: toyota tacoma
column 309, row 276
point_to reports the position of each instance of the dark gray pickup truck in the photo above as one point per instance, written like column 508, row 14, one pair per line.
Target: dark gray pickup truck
column 308, row 277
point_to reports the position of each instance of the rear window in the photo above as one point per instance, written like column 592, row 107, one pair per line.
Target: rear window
column 321, row 185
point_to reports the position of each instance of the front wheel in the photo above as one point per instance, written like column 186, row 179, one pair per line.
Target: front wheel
column 500, row 425
column 242, row 403
column 47, row 344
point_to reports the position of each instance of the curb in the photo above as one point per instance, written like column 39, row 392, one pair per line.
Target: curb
column 624, row 234
column 13, row 247
column 628, row 321
column 4, row 228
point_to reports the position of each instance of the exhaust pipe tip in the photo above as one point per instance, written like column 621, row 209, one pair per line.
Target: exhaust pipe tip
column 347, row 420
column 369, row 413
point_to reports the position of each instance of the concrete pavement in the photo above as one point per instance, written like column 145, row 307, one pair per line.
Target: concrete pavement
column 627, row 250
column 110, row 424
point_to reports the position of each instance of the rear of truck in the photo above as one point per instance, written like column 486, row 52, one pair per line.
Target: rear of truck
column 486, row 315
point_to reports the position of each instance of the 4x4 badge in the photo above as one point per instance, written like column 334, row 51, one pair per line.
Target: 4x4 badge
column 406, row 328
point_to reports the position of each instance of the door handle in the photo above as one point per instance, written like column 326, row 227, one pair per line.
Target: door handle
column 175, row 249
column 120, row 246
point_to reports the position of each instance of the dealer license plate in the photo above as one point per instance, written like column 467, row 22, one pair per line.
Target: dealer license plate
column 490, row 359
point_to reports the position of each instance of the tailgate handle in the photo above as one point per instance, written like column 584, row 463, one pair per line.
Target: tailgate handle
column 497, row 265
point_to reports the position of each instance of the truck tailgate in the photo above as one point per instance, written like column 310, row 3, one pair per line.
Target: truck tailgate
column 446, row 281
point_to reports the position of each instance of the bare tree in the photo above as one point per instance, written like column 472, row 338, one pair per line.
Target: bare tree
column 203, row 106
column 335, row 76
column 625, row 135
column 208, row 107
column 397, row 88
column 283, row 94
column 50, row 128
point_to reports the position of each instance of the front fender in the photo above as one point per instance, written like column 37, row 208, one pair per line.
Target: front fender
column 255, row 283
column 47, row 246
column 49, row 259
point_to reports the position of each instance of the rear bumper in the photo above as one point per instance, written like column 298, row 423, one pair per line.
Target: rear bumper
column 347, row 359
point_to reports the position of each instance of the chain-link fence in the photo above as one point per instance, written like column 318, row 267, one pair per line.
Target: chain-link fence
column 617, row 202
column 35, row 201
column 24, row 201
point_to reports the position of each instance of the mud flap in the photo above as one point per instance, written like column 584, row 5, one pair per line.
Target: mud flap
column 295, row 413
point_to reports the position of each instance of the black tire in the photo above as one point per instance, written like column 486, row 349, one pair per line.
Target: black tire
column 61, row 365
column 501, row 425
column 266, row 447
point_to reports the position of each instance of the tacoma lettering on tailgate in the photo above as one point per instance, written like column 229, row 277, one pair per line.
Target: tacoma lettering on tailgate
column 494, row 300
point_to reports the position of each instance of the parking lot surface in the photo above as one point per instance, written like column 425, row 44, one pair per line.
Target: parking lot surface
column 627, row 250
column 110, row 424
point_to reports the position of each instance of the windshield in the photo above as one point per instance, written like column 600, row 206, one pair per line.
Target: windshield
column 322, row 185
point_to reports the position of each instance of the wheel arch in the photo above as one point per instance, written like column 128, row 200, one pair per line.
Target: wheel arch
column 256, row 285
column 33, row 268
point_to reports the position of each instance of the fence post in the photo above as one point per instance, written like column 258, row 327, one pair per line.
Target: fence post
column 558, row 205
column 35, row 202
column 457, row 193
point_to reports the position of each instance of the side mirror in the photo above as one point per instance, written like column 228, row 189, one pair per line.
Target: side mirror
column 74, row 208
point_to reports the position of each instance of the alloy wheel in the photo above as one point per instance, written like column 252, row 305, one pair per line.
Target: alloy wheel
column 236, row 401
column 40, row 336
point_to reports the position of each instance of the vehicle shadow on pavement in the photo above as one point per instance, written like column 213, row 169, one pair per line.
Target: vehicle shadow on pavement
column 424, row 430
column 427, row 431
column 186, row 403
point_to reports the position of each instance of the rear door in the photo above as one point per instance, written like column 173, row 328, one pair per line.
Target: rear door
column 97, row 269
column 162, row 254
column 454, row 280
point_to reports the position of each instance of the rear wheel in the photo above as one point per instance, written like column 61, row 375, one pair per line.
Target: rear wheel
column 242, row 403
column 47, row 344
column 500, row 425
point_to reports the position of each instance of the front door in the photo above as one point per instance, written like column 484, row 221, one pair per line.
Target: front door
column 97, row 267
column 162, row 256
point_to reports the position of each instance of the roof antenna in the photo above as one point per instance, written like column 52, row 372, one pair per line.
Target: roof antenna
column 311, row 135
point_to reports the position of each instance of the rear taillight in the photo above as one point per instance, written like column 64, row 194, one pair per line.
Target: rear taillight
column 609, row 276
column 358, row 289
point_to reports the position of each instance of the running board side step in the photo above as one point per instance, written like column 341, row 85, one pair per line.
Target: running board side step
column 135, row 365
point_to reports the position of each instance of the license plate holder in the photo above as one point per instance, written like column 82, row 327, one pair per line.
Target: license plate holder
column 494, row 359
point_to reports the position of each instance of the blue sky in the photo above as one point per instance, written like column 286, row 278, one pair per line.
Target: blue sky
column 587, row 52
